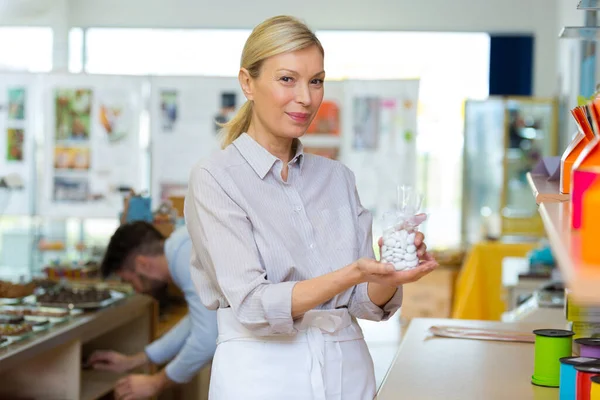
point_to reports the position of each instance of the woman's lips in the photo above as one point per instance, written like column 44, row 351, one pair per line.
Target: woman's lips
column 298, row 117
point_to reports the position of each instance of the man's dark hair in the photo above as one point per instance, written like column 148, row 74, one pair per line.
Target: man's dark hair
column 128, row 241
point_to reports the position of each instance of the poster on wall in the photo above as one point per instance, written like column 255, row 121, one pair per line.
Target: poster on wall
column 226, row 111
column 115, row 115
column 17, row 101
column 186, row 114
column 16, row 104
column 92, row 151
column 168, row 109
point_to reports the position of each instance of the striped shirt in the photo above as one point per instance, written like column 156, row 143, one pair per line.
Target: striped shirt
column 255, row 235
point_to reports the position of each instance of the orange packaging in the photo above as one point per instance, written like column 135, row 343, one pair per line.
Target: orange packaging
column 586, row 170
column 584, row 136
column 327, row 120
column 590, row 225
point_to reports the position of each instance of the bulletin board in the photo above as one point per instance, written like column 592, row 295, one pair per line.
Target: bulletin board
column 91, row 144
column 379, row 141
column 184, row 112
column 18, row 128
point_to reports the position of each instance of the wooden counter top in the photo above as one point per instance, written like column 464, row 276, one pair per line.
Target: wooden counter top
column 83, row 328
column 429, row 368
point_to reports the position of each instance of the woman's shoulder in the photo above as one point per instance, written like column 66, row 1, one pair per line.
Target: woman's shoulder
column 218, row 161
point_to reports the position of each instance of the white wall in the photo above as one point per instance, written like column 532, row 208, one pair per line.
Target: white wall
column 497, row 16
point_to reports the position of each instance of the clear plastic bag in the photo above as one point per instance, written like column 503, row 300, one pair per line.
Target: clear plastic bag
column 399, row 229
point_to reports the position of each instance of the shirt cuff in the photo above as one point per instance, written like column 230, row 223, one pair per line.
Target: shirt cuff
column 178, row 375
column 277, row 305
column 153, row 353
column 366, row 309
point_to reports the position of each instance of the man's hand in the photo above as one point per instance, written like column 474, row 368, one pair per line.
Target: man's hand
column 134, row 387
column 116, row 362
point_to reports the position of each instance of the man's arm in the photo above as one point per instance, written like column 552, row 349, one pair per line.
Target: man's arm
column 166, row 348
column 199, row 347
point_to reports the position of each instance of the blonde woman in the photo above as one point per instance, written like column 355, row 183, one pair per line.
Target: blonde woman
column 282, row 246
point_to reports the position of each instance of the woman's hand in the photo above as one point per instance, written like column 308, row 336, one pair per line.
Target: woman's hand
column 385, row 273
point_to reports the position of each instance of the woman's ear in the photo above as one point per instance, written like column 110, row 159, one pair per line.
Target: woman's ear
column 246, row 83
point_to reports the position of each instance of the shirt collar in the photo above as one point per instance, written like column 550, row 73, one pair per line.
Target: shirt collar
column 259, row 158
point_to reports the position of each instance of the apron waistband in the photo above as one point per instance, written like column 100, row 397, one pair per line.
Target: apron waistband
column 315, row 328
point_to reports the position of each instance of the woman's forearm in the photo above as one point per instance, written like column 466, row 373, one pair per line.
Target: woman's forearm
column 380, row 295
column 308, row 294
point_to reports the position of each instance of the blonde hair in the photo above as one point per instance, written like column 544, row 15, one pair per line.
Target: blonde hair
column 274, row 36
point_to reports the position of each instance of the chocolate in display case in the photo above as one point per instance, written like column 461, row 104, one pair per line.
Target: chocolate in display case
column 35, row 314
column 78, row 298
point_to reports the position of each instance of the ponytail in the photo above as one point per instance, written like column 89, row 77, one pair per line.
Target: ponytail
column 237, row 125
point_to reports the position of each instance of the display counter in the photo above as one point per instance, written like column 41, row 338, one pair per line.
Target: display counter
column 427, row 367
column 49, row 364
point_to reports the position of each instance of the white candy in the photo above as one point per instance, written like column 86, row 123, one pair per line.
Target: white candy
column 400, row 265
column 390, row 242
column 411, row 248
column 411, row 238
column 403, row 235
column 412, row 264
column 384, row 249
column 410, row 256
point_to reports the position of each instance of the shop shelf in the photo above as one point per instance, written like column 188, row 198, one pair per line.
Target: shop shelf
column 580, row 32
column 545, row 191
column 95, row 384
column 588, row 5
column 583, row 279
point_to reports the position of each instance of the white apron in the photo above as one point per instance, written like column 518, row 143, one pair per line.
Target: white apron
column 327, row 359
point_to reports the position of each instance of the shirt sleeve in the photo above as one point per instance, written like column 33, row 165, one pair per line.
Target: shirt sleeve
column 360, row 304
column 164, row 349
column 198, row 348
column 224, row 247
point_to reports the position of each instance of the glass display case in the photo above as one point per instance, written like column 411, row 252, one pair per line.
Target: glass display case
column 30, row 245
column 505, row 137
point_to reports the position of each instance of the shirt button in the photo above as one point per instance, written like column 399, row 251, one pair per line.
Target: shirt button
column 312, row 246
column 297, row 208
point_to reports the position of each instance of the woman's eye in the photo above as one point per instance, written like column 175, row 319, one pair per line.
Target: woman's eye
column 317, row 81
column 286, row 79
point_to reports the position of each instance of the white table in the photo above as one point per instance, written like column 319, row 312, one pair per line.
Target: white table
column 430, row 368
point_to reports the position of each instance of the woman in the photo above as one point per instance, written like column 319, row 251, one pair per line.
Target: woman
column 282, row 246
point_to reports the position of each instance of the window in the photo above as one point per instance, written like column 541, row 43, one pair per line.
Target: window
column 26, row 49
column 164, row 51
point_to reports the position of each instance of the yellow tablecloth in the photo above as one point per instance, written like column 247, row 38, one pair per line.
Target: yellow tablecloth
column 478, row 291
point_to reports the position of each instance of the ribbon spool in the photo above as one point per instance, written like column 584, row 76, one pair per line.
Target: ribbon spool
column 595, row 392
column 583, row 382
column 589, row 347
column 550, row 346
column 568, row 375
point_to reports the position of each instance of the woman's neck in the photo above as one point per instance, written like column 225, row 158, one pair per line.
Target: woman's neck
column 281, row 148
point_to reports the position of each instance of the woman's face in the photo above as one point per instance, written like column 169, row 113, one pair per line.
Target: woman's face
column 287, row 93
